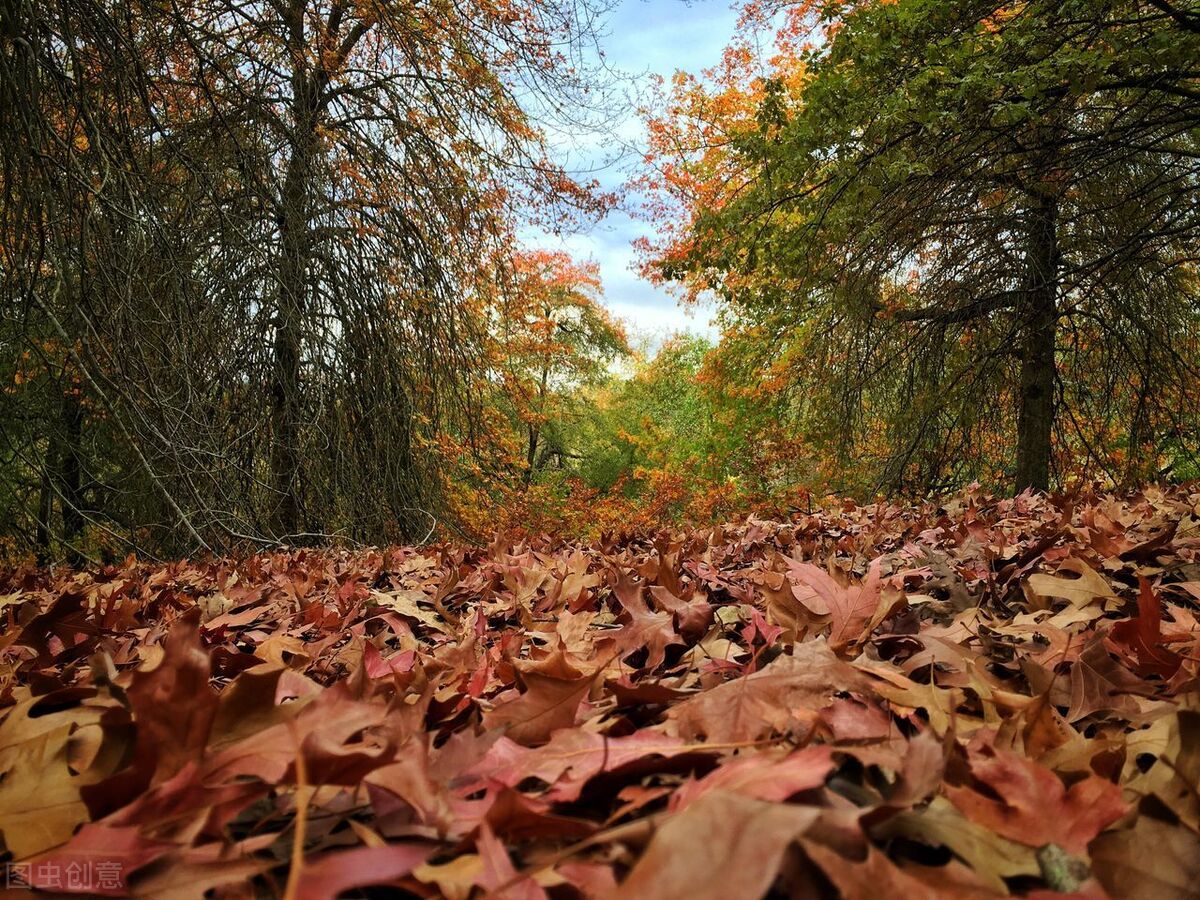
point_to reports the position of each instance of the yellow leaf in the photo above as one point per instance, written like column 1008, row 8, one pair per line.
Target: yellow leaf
column 1079, row 592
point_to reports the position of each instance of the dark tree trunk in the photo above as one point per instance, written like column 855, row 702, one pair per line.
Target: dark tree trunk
column 535, row 430
column 44, row 532
column 294, row 240
column 286, row 406
column 1038, row 314
column 72, row 469
column 1139, row 436
column 530, row 454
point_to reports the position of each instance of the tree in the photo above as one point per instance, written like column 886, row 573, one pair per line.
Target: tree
column 948, row 210
column 264, row 238
column 555, row 339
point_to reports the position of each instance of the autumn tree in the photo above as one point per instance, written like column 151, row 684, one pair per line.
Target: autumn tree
column 82, row 226
column 940, row 210
column 555, row 338
column 264, row 238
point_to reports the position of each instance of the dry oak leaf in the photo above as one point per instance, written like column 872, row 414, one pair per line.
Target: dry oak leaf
column 330, row 875
column 782, row 607
column 408, row 604
column 1142, row 637
column 40, row 802
column 853, row 611
column 1173, row 742
column 173, row 704
column 177, row 876
column 653, row 630
column 455, row 878
column 1079, row 592
column 786, row 695
column 764, row 776
column 693, row 614
column 992, row 858
column 410, row 779
column 97, row 843
column 185, row 809
column 497, row 876
column 851, row 719
column 39, row 798
column 878, row 877
column 1035, row 808
column 554, row 688
column 325, row 730
column 1098, row 683
column 572, row 757
column 941, row 705
column 173, row 879
column 723, row 845
column 1151, row 861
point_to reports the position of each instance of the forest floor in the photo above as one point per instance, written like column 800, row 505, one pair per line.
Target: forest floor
column 981, row 698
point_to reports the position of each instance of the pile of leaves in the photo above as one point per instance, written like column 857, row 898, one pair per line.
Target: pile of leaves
column 984, row 698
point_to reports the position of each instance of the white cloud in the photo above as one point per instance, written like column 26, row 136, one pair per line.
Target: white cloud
column 644, row 37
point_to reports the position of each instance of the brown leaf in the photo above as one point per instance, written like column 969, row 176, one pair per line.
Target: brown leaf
column 571, row 758
column 1142, row 637
column 1079, row 592
column 40, row 804
column 742, row 843
column 40, row 789
column 1033, row 805
column 764, row 776
column 553, row 692
column 785, row 696
column 851, row 609
column 992, row 857
column 878, row 877
column 332, row 874
column 173, row 705
column 1151, row 861
column 1098, row 683
column 114, row 852
column 653, row 630
column 498, row 876
column 177, row 877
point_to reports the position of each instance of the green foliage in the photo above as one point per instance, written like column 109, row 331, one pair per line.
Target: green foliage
column 657, row 417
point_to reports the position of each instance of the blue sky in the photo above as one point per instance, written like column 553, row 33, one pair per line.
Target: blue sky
column 646, row 37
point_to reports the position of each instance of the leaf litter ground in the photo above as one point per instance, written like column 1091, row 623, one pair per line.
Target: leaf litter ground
column 984, row 698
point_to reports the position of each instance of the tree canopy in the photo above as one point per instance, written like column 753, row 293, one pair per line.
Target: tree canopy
column 971, row 229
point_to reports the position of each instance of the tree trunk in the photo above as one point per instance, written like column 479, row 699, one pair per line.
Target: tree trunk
column 285, row 405
column 44, row 533
column 535, row 431
column 531, row 449
column 294, row 240
column 1139, row 436
column 1038, row 323
column 72, row 469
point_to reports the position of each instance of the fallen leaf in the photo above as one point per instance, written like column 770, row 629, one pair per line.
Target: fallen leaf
column 553, row 692
column 332, row 874
column 786, row 695
column 1027, row 803
column 1141, row 636
column 763, row 776
column 1151, row 861
column 851, row 609
column 1079, row 592
column 743, row 841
